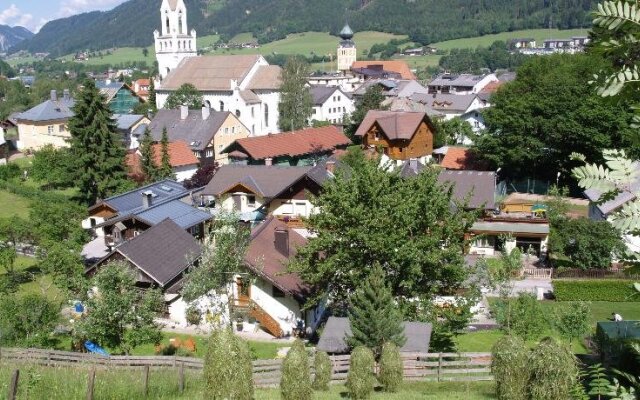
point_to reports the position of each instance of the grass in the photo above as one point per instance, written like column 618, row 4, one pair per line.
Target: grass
column 13, row 205
column 58, row 383
column 538, row 34
column 35, row 282
column 245, row 37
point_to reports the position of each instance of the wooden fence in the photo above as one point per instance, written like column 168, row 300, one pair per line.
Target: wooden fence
column 417, row 366
column 536, row 273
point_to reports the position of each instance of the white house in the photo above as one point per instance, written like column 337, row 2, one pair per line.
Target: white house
column 173, row 43
column 330, row 104
column 245, row 85
column 460, row 83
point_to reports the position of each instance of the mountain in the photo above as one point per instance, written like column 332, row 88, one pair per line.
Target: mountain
column 10, row 36
column 426, row 21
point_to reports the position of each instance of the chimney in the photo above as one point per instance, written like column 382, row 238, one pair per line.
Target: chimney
column 147, row 199
column 54, row 95
column 184, row 112
column 66, row 95
column 330, row 166
column 268, row 161
column 281, row 241
column 205, row 113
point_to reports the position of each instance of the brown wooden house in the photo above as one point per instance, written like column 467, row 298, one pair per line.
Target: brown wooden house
column 399, row 135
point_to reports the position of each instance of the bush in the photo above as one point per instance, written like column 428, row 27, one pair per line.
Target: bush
column 509, row 367
column 361, row 378
column 323, row 369
column 595, row 290
column 9, row 171
column 296, row 378
column 553, row 371
column 227, row 367
column 522, row 316
column 391, row 368
column 193, row 315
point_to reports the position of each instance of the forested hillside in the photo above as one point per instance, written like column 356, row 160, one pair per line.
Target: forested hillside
column 425, row 21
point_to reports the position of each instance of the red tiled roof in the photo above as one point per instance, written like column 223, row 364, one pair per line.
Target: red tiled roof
column 143, row 82
column 296, row 143
column 396, row 66
column 456, row 158
column 394, row 124
column 492, row 87
column 179, row 154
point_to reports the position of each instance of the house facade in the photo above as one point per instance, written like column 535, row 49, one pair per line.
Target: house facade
column 120, row 97
column 400, row 135
column 460, row 83
column 46, row 123
column 207, row 132
column 330, row 104
column 245, row 85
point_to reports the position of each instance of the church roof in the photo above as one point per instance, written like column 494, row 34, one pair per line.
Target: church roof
column 267, row 77
column 211, row 72
column 346, row 33
column 173, row 4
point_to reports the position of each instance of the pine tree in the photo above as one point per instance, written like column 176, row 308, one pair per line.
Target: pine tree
column 296, row 104
column 152, row 95
column 98, row 152
column 165, row 171
column 374, row 315
column 147, row 159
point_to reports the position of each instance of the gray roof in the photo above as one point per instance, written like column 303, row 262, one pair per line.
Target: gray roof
column 409, row 105
column 461, row 80
column 163, row 252
column 184, row 215
column 511, row 227
column 131, row 202
column 332, row 339
column 480, row 183
column 446, row 102
column 193, row 130
column 126, row 121
column 49, row 111
column 321, row 93
column 393, row 87
column 619, row 200
column 266, row 181
column 109, row 89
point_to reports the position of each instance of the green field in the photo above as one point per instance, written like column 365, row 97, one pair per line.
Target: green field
column 243, row 38
column 538, row 34
column 53, row 383
column 13, row 205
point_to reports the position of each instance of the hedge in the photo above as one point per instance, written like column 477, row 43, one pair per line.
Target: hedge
column 617, row 290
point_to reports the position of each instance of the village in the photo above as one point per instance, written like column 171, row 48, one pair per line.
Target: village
column 268, row 231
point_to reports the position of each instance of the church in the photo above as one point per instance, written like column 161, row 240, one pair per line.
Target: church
column 245, row 85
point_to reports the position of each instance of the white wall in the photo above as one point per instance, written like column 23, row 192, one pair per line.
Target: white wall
column 334, row 109
column 185, row 172
column 285, row 310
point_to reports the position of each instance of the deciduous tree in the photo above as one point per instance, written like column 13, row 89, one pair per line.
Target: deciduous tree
column 371, row 100
column 296, row 103
column 187, row 94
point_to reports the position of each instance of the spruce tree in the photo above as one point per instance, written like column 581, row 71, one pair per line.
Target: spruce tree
column 147, row 159
column 95, row 146
column 374, row 315
column 152, row 96
column 165, row 171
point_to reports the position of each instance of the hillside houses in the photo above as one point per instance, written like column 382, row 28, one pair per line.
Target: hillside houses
column 330, row 104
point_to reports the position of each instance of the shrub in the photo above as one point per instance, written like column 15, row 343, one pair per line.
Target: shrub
column 9, row 171
column 552, row 371
column 509, row 367
column 296, row 379
column 193, row 315
column 361, row 378
column 522, row 316
column 227, row 367
column 323, row 369
column 391, row 368
column 595, row 290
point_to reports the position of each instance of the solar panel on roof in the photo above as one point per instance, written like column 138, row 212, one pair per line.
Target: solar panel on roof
column 166, row 188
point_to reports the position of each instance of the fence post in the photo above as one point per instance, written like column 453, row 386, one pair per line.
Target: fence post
column 146, row 381
column 13, row 386
column 181, row 377
column 439, row 366
column 92, row 378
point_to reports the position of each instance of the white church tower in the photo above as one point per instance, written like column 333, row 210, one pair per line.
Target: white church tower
column 173, row 44
column 347, row 53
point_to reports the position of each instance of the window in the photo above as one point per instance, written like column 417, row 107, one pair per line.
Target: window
column 221, row 105
column 210, row 152
column 344, row 109
column 277, row 292
column 251, row 201
column 233, row 129
column 266, row 115
column 180, row 23
column 197, row 154
column 338, row 98
column 61, row 128
column 252, row 111
column 50, row 129
column 226, row 130
column 238, row 113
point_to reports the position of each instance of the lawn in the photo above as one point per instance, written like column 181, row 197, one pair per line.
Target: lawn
column 13, row 205
column 538, row 34
column 55, row 383
column 245, row 37
column 34, row 280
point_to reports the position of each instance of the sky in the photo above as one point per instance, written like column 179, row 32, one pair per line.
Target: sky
column 32, row 14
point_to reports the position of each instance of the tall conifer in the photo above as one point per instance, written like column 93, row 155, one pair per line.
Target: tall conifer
column 147, row 159
column 165, row 171
column 152, row 96
column 97, row 150
column 374, row 315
